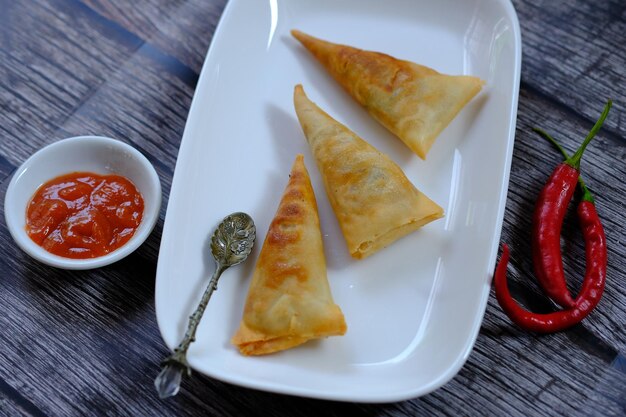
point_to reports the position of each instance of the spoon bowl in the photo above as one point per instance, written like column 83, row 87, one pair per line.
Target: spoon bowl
column 233, row 239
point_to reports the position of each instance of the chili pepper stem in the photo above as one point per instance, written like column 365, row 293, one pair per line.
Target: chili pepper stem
column 574, row 160
column 553, row 141
column 587, row 196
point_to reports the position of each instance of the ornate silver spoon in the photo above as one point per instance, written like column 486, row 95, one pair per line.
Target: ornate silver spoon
column 231, row 244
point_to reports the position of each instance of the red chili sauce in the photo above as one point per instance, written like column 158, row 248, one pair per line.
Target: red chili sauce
column 84, row 215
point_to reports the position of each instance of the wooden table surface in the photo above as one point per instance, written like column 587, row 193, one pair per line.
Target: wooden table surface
column 87, row 343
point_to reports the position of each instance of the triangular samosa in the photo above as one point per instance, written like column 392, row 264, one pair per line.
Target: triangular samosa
column 373, row 200
column 413, row 101
column 289, row 301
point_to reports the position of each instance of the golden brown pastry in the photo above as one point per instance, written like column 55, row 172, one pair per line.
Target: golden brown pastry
column 373, row 200
column 289, row 300
column 413, row 101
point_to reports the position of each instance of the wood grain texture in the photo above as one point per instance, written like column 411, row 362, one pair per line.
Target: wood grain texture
column 87, row 343
column 180, row 28
column 574, row 53
column 14, row 404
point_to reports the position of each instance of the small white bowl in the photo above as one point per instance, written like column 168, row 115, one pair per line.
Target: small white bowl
column 95, row 154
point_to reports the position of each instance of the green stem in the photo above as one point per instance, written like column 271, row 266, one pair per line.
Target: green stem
column 574, row 161
column 549, row 138
column 587, row 196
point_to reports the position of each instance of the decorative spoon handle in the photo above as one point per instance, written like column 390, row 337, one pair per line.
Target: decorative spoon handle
column 195, row 318
column 168, row 381
column 231, row 244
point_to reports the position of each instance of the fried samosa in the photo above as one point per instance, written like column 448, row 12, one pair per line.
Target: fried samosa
column 289, row 300
column 373, row 200
column 413, row 101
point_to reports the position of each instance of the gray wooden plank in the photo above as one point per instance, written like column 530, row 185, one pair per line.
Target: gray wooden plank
column 58, row 85
column 181, row 28
column 49, row 71
column 12, row 403
column 574, row 53
column 6, row 168
column 12, row 409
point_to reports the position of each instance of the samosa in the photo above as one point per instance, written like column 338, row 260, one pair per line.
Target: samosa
column 413, row 101
column 371, row 196
column 289, row 300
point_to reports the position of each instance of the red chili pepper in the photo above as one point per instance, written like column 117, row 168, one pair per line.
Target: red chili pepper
column 550, row 211
column 590, row 293
column 547, row 253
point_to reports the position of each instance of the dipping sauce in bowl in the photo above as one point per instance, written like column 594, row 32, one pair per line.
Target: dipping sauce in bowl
column 84, row 215
column 83, row 202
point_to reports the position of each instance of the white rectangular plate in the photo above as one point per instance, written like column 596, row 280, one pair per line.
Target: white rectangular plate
column 413, row 309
